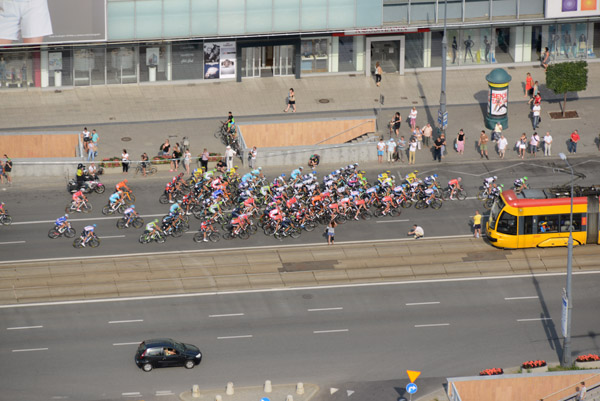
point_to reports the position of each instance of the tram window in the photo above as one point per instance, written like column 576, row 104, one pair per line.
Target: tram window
column 566, row 218
column 528, row 225
column 507, row 224
column 548, row 224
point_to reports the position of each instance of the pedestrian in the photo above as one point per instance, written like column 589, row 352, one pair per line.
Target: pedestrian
column 378, row 72
column 419, row 136
column 291, row 101
column 229, row 153
column 522, row 145
column 391, row 147
column 536, row 110
column 546, row 58
column 443, row 136
column 437, row 151
column 380, row 150
column 477, row 224
column 187, row 158
column 502, row 144
column 1, row 172
column 144, row 162
column 95, row 139
column 413, row 117
column 395, row 124
column 8, row 166
column 483, row 140
column 204, row 160
column 331, row 232
column 401, row 148
column 460, row 142
column 165, row 148
column 86, row 137
column 528, row 86
column 547, row 144
column 417, row 231
column 253, row 154
column 573, row 139
column 582, row 392
column 125, row 161
column 412, row 151
column 534, row 141
column 175, row 157
column 427, row 133
column 496, row 132
column 91, row 151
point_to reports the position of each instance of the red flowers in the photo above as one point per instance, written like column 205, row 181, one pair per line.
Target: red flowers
column 588, row 358
column 533, row 364
column 491, row 372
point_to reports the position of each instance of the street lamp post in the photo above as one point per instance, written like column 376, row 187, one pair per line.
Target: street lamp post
column 567, row 343
column 442, row 112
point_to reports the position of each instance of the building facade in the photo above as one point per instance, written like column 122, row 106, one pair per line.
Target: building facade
column 100, row 42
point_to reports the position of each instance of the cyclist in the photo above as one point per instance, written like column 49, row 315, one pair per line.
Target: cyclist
column 61, row 223
column 206, row 227
column 239, row 223
column 430, row 181
column 454, row 185
column 130, row 214
column 430, row 194
column 122, row 186
column 487, row 182
column 152, row 228
column 87, row 234
column 387, row 200
column 175, row 209
column 520, row 184
column 78, row 198
column 297, row 172
column 3, row 211
column 115, row 198
column 411, row 176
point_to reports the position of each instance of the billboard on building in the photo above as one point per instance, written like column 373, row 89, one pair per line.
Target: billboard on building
column 52, row 21
column 572, row 8
column 219, row 60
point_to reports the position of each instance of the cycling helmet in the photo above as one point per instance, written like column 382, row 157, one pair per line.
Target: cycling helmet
column 125, row 181
column 156, row 221
column 132, row 206
column 495, row 178
column 94, row 225
column 180, row 174
column 179, row 201
column 300, row 168
column 282, row 175
column 524, row 178
column 435, row 175
column 66, row 215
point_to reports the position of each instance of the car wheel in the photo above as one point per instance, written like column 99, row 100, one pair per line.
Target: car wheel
column 147, row 367
column 189, row 364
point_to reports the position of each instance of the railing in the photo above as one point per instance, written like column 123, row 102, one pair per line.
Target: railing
column 593, row 383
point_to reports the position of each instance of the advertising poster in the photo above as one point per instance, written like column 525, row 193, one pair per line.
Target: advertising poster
column 212, row 57
column 499, row 101
column 55, row 61
column 227, row 60
column 152, row 56
column 572, row 8
column 52, row 21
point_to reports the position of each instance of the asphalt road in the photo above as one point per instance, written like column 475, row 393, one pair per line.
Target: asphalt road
column 35, row 209
column 342, row 337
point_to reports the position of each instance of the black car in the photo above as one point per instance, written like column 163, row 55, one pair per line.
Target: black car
column 165, row 352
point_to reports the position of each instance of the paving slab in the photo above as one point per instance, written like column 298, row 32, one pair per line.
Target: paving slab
column 28, row 282
column 65, row 269
column 67, row 292
column 228, row 283
column 403, row 272
column 350, row 264
column 228, row 270
column 32, row 272
column 266, row 281
column 494, row 266
column 462, row 267
column 298, row 278
column 172, row 286
column 32, row 294
column 526, row 264
column 330, row 276
column 100, row 290
column 263, row 267
column 64, row 280
column 266, row 257
column 429, row 270
column 230, row 259
column 289, row 256
column 7, row 273
column 128, row 289
column 198, row 284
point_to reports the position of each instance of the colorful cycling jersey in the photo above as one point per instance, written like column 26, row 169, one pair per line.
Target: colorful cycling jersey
column 247, row 177
column 275, row 214
column 78, row 194
column 121, row 185
column 295, row 174
column 114, row 197
column 453, row 183
column 214, row 208
column 216, row 193
column 290, row 202
column 60, row 221
column 175, row 207
column 429, row 191
column 88, row 229
column 255, row 172
column 399, row 189
column 387, row 198
column 371, row 190
column 129, row 211
column 489, row 180
column 249, row 202
column 150, row 226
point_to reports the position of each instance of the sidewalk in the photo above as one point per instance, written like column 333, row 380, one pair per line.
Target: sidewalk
column 147, row 114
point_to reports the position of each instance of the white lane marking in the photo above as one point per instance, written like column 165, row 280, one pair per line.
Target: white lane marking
column 86, row 219
column 432, row 325
column 232, row 337
column 24, row 327
column 330, row 331
column 227, row 315
column 517, row 298
column 135, row 343
column 160, row 393
column 112, row 236
column 324, row 287
column 254, row 248
column 422, row 303
column 132, row 394
column 324, row 309
column 125, row 321
column 30, row 349
column 12, row 242
column 392, row 221
column 537, row 319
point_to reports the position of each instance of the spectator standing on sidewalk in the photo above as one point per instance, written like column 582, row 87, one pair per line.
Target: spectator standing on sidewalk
column 477, row 224
column 496, row 132
column 572, row 144
column 331, row 232
column 8, row 166
column 391, row 148
column 534, row 143
column 95, row 139
column 502, row 144
column 380, row 150
column 413, row 117
column 582, row 392
column 483, row 140
column 253, row 154
column 395, row 124
column 144, row 162
column 92, row 150
column 175, row 157
column 547, row 144
column 419, row 137
column 165, row 148
column 417, row 231
column 412, row 150
column 437, row 149
column 378, row 73
column 187, row 158
column 528, row 85
column 204, row 160
column 427, row 133
column 522, row 145
column 86, row 137
column 1, row 172
column 536, row 110
column 229, row 153
column 125, row 161
column 291, row 101
column 460, row 142
column 546, row 58
column 401, row 149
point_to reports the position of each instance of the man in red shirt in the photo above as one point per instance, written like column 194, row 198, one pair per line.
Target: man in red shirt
column 573, row 142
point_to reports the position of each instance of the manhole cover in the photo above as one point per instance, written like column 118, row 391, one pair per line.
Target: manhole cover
column 323, row 100
column 57, row 91
column 307, row 296
column 376, row 100
column 415, row 102
column 126, row 139
column 111, row 118
column 404, row 98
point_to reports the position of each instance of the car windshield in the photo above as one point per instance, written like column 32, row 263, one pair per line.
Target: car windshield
column 495, row 212
column 178, row 346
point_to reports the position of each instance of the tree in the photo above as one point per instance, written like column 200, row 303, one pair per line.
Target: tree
column 567, row 77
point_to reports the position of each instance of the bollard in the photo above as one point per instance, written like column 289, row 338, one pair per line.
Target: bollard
column 218, row 397
column 289, row 398
column 300, row 388
column 195, row 391
column 229, row 390
column 268, row 387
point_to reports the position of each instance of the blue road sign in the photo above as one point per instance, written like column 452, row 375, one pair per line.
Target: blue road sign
column 265, row 399
column 411, row 388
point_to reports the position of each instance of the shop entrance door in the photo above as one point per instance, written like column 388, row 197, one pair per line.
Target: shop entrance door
column 251, row 61
column 283, row 60
column 388, row 51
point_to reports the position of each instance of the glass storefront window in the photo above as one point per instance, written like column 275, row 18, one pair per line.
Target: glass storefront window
column 454, row 10
column 121, row 19
column 16, row 70
column 503, row 43
column 396, row 13
column 368, row 13
column 476, row 46
column 60, row 67
column 315, row 55
column 148, row 19
column 204, row 17
column 259, row 15
column 566, row 41
column 504, row 9
column 387, row 53
column 153, row 63
column 231, row 17
column 122, row 65
column 477, row 10
column 346, row 55
column 531, row 8
column 176, row 18
column 341, row 14
column 286, row 15
column 413, row 47
column 313, row 14
column 187, row 61
column 422, row 11
column 88, row 67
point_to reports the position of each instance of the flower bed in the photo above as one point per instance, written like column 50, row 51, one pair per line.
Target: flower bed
column 491, row 372
column 535, row 366
column 589, row 361
column 161, row 160
column 111, row 162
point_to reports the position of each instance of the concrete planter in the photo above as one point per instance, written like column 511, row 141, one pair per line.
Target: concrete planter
column 540, row 369
column 588, row 365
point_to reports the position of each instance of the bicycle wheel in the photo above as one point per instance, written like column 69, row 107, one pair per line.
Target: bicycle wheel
column 151, row 170
column 309, row 226
column 295, row 233
column 227, row 235
column 252, row 229
column 378, row 212
column 7, row 220
column 78, row 243
column 278, row 235
column 143, row 239
column 100, row 189
column 69, row 208
column 163, row 199
column 436, row 203
column 131, row 198
column 160, row 238
column 481, row 195
column 214, row 237
column 138, row 170
column 366, row 214
column 244, row 234
column 69, row 232
column 395, row 212
column 121, row 224
column 138, row 222
column 178, row 232
column 86, row 207
column 406, row 203
column 461, row 195
column 94, row 242
column 198, row 237
column 420, row 204
column 488, row 203
column 53, row 233
column 269, row 230
column 446, row 194
column 106, row 210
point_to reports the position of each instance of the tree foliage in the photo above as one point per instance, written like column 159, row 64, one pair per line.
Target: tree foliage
column 567, row 77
